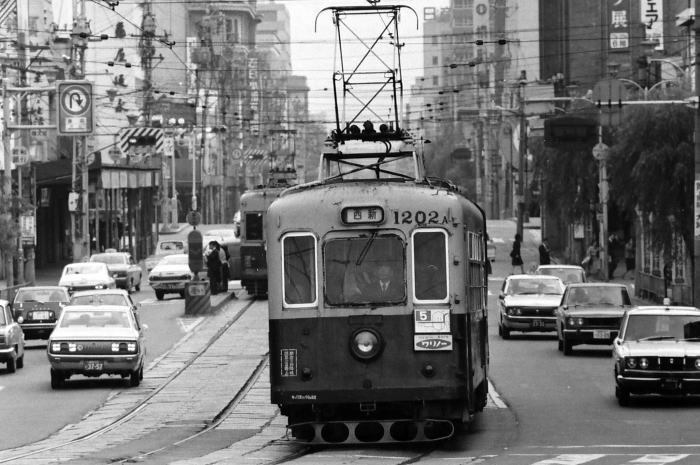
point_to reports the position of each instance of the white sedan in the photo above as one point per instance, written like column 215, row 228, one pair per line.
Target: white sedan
column 86, row 276
column 171, row 275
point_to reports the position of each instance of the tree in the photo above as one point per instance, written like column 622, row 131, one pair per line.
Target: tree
column 651, row 169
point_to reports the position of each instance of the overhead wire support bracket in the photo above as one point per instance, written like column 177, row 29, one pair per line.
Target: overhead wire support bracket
column 364, row 68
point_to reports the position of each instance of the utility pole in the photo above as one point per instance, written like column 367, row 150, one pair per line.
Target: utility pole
column 7, row 176
column 696, row 187
column 80, row 229
column 522, row 151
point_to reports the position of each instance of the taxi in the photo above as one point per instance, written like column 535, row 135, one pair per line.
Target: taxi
column 37, row 308
column 657, row 352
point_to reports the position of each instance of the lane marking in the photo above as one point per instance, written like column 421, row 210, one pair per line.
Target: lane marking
column 659, row 459
column 495, row 397
column 570, row 459
column 188, row 324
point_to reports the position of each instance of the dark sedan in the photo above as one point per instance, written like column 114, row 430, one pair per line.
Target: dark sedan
column 36, row 309
column 590, row 313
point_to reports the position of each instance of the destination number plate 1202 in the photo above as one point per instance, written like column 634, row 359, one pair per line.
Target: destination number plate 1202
column 419, row 217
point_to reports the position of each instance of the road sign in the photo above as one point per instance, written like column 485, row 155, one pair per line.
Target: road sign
column 194, row 218
column 169, row 147
column 20, row 156
column 150, row 138
column 75, row 108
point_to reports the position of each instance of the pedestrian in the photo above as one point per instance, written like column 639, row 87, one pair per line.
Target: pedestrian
column 515, row 259
column 629, row 256
column 544, row 249
column 214, row 267
column 224, row 256
column 613, row 254
column 590, row 262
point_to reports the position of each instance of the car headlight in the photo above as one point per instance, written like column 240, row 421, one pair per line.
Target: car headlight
column 514, row 311
column 99, row 286
column 55, row 347
column 365, row 344
column 697, row 363
column 643, row 363
column 631, row 362
column 572, row 321
column 20, row 320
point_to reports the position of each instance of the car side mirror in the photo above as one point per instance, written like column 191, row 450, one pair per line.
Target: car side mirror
column 501, row 295
column 617, row 341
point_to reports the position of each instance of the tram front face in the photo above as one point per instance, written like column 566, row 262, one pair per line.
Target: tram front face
column 344, row 323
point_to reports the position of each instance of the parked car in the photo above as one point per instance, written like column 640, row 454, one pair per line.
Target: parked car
column 37, row 308
column 165, row 247
column 170, row 276
column 104, row 297
column 11, row 339
column 590, row 313
column 567, row 273
column 657, row 352
column 121, row 265
column 527, row 303
column 95, row 340
column 86, row 275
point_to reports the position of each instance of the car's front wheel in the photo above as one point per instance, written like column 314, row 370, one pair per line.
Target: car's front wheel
column 503, row 332
column 138, row 284
column 20, row 361
column 159, row 295
column 568, row 347
column 56, row 379
column 11, row 365
column 623, row 396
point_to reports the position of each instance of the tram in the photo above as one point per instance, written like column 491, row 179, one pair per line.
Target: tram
column 377, row 288
column 254, row 203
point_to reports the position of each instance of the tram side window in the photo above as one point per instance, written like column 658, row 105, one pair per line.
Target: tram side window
column 365, row 270
column 430, row 265
column 299, row 269
column 254, row 226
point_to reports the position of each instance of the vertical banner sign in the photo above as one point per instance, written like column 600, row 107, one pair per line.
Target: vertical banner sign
column 618, row 15
column 696, row 203
column 253, row 78
column 192, row 44
column 653, row 20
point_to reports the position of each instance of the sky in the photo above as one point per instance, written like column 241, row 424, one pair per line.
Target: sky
column 313, row 52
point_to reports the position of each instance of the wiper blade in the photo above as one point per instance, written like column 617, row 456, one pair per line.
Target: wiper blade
column 656, row 338
column 365, row 249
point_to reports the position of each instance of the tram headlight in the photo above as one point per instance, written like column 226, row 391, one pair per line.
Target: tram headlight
column 365, row 344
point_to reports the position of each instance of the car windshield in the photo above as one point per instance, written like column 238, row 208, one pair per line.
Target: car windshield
column 95, row 319
column 99, row 299
column 591, row 295
column 222, row 233
column 41, row 295
column 661, row 327
column 84, row 268
column 171, row 246
column 535, row 286
column 567, row 275
column 109, row 258
column 175, row 260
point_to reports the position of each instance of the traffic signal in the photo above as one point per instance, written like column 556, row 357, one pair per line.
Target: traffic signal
column 195, row 251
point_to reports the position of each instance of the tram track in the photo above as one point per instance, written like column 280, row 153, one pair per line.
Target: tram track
column 136, row 409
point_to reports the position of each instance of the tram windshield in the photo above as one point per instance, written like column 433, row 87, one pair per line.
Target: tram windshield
column 254, row 226
column 365, row 270
column 299, row 269
column 430, row 265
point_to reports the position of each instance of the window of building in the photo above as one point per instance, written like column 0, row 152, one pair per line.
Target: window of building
column 299, row 268
column 435, row 60
column 233, row 34
column 435, row 80
column 430, row 271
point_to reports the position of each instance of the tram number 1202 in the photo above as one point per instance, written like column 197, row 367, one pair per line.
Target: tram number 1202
column 419, row 217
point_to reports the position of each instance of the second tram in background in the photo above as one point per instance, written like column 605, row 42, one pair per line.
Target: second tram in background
column 254, row 204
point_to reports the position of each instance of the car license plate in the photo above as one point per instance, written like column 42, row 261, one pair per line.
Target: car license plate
column 40, row 315
column 537, row 323
column 670, row 384
column 92, row 365
column 601, row 334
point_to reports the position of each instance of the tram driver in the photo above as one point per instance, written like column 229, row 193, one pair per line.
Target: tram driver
column 387, row 285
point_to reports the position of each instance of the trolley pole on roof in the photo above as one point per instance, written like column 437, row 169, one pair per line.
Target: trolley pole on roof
column 696, row 183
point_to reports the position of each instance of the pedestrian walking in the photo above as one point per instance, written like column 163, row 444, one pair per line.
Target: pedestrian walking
column 515, row 259
column 545, row 258
column 613, row 254
column 629, row 257
column 214, row 267
column 590, row 262
column 224, row 256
